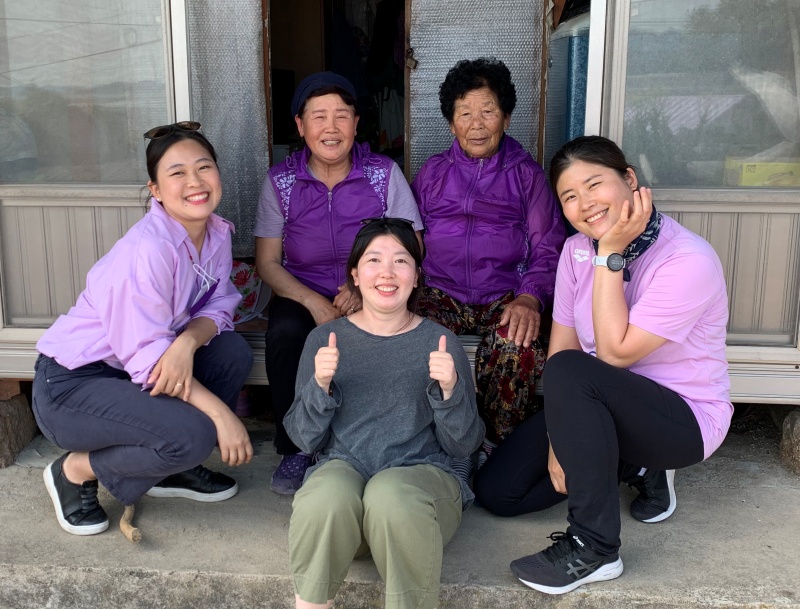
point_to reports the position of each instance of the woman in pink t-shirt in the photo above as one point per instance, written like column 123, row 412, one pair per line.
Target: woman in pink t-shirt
column 636, row 381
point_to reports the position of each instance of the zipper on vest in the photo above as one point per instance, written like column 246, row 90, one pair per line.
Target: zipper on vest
column 333, row 238
column 470, row 227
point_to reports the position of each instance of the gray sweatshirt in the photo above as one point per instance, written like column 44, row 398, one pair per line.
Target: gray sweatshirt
column 385, row 410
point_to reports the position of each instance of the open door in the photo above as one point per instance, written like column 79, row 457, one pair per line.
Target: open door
column 363, row 40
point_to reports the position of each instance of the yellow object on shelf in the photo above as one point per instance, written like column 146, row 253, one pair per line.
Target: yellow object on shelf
column 773, row 174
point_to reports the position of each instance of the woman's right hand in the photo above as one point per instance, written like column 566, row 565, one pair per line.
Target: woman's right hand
column 325, row 363
column 631, row 223
column 557, row 476
column 346, row 301
column 234, row 442
column 321, row 309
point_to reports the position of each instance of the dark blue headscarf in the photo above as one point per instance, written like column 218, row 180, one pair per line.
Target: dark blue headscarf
column 317, row 81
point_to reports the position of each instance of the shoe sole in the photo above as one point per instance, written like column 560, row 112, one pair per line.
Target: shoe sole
column 610, row 571
column 288, row 492
column 673, row 500
column 185, row 493
column 89, row 529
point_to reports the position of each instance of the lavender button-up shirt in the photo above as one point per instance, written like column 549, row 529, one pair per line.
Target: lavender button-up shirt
column 138, row 296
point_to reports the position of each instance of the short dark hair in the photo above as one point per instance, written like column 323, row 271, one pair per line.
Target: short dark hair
column 593, row 149
column 470, row 74
column 157, row 148
column 346, row 98
column 402, row 230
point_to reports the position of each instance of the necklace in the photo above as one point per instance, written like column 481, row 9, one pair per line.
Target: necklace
column 396, row 332
column 404, row 326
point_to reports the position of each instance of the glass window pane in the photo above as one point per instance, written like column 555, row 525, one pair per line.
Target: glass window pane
column 710, row 96
column 80, row 81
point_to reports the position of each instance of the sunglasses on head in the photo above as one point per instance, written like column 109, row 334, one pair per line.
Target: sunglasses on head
column 388, row 222
column 164, row 130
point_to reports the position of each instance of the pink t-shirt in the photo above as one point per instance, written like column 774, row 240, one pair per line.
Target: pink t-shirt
column 676, row 291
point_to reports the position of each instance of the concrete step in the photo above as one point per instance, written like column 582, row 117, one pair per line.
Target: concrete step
column 732, row 543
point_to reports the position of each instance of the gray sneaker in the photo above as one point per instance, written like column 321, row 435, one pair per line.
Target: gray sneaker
column 656, row 500
column 567, row 564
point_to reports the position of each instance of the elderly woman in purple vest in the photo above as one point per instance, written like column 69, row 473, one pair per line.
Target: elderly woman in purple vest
column 493, row 234
column 310, row 210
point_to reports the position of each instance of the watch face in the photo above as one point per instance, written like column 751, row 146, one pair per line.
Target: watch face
column 615, row 262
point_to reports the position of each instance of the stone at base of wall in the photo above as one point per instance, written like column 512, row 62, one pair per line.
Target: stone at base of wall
column 17, row 428
column 8, row 389
column 790, row 442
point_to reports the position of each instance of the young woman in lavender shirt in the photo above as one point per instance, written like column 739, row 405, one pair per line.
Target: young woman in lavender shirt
column 138, row 379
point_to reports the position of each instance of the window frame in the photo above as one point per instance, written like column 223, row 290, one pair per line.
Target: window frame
column 605, row 107
column 18, row 345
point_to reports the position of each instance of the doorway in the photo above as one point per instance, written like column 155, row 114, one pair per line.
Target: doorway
column 363, row 40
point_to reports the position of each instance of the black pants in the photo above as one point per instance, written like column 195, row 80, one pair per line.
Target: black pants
column 601, row 420
column 515, row 479
column 290, row 323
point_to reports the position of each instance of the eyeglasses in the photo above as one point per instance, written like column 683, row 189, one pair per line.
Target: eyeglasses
column 164, row 130
column 389, row 222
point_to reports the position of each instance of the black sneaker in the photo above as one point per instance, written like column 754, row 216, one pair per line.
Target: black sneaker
column 656, row 500
column 198, row 483
column 77, row 508
column 568, row 563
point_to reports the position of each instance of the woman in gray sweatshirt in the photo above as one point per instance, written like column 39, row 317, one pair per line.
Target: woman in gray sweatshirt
column 387, row 399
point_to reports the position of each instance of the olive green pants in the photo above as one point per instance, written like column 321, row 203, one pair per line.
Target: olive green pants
column 403, row 515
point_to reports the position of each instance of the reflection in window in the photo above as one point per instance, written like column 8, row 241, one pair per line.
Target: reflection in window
column 80, row 82
column 711, row 93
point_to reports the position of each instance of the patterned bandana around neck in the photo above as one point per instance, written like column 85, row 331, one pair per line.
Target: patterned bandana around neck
column 639, row 245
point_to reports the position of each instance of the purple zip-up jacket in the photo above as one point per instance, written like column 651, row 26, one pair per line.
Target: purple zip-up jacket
column 491, row 225
column 321, row 225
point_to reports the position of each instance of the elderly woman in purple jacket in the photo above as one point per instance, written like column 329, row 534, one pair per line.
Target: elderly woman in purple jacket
column 310, row 210
column 493, row 234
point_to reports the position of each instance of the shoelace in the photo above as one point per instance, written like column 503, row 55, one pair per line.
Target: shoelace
column 88, row 495
column 562, row 547
column 203, row 472
column 646, row 485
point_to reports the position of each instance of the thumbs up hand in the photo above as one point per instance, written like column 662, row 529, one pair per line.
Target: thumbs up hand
column 443, row 368
column 325, row 363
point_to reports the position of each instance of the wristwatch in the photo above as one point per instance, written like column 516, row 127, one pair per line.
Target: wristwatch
column 614, row 262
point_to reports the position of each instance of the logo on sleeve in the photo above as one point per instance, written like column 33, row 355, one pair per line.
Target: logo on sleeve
column 581, row 255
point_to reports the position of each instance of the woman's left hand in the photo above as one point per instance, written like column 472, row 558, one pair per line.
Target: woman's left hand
column 172, row 374
column 523, row 319
column 631, row 223
column 346, row 301
column 443, row 368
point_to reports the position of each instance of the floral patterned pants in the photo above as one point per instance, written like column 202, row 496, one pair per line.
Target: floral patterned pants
column 505, row 374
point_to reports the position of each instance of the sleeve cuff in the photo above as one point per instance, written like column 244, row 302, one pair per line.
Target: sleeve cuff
column 532, row 291
column 435, row 394
column 142, row 363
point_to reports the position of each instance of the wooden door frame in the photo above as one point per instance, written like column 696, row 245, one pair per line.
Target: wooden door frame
column 265, row 24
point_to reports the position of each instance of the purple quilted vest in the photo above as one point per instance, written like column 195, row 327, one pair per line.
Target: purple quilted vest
column 320, row 224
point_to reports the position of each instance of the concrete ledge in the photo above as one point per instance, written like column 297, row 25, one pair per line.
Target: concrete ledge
column 34, row 587
column 732, row 543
